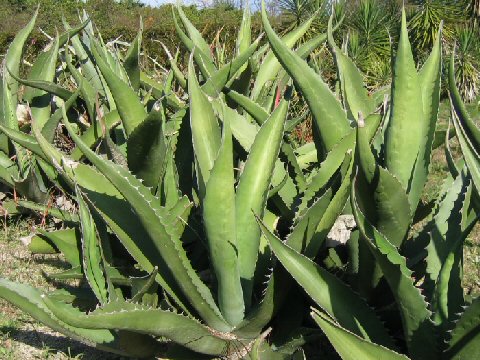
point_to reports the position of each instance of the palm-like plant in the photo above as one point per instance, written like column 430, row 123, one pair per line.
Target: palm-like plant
column 427, row 15
column 370, row 28
column 468, row 61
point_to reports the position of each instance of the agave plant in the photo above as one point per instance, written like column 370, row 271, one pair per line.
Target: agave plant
column 418, row 273
column 145, row 174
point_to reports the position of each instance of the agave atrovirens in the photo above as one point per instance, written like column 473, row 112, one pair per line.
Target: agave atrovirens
column 418, row 274
column 197, row 287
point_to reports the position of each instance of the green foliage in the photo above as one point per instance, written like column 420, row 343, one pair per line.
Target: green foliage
column 184, row 187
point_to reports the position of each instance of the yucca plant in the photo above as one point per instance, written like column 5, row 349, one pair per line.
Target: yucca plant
column 395, row 278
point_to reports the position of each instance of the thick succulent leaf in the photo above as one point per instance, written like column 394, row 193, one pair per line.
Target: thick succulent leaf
column 418, row 329
column 244, row 37
column 202, row 59
column 42, row 70
column 351, row 346
column 30, row 301
column 430, row 81
column 146, row 150
column 24, row 140
column 219, row 220
column 333, row 211
column 14, row 54
column 194, row 34
column 446, row 228
column 63, row 215
column 205, row 129
column 306, row 225
column 86, row 64
column 159, row 226
column 258, row 113
column 465, row 341
column 214, row 85
column 47, row 86
column 355, row 95
column 407, row 126
column 469, row 126
column 87, row 90
column 252, row 191
column 178, row 328
column 470, row 155
column 116, row 213
column 132, row 58
column 94, row 132
column 270, row 65
column 334, row 159
column 330, row 120
column 67, row 241
column 332, row 295
column 383, row 198
column 51, row 125
column 129, row 106
column 91, row 251
column 309, row 46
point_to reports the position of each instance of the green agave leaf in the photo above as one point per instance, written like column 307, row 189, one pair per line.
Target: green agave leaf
column 407, row 126
column 469, row 126
column 194, row 34
column 334, row 159
column 94, row 133
column 159, row 227
column 384, row 199
column 87, row 90
column 92, row 257
column 24, row 140
column 469, row 153
column 323, row 287
column 330, row 119
column 219, row 220
column 86, row 64
column 42, row 70
column 51, row 125
column 214, row 85
column 446, row 229
column 31, row 301
column 309, row 46
column 46, row 86
column 134, row 317
column 132, row 58
column 8, row 170
column 244, row 37
column 270, row 65
column 14, row 55
column 418, row 328
column 129, row 106
column 258, row 113
column 67, row 241
column 177, row 73
column 205, row 129
column 146, row 150
column 333, row 211
column 355, row 95
column 202, row 59
column 430, row 80
column 116, row 213
column 351, row 346
column 252, row 191
column 45, row 209
column 465, row 341
column 306, row 225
